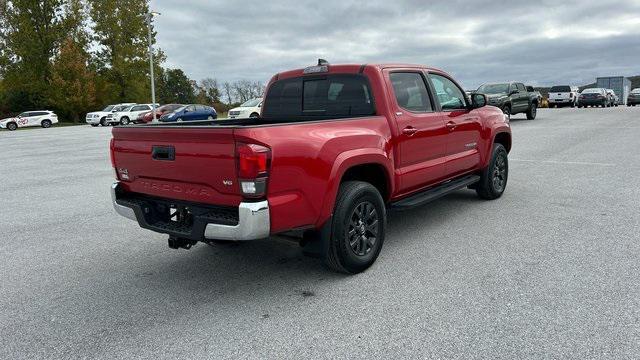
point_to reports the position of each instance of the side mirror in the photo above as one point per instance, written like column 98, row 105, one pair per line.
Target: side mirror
column 478, row 100
column 513, row 92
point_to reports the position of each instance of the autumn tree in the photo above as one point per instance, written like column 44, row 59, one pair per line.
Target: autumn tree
column 72, row 81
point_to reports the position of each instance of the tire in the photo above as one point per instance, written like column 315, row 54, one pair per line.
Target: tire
column 45, row 124
column 94, row 125
column 12, row 126
column 124, row 120
column 254, row 115
column 493, row 180
column 532, row 112
column 179, row 120
column 573, row 104
column 210, row 118
column 104, row 122
column 360, row 214
column 506, row 109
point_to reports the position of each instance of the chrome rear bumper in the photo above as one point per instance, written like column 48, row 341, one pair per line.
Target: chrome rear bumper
column 253, row 221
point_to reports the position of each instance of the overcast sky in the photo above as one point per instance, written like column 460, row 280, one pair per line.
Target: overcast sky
column 538, row 42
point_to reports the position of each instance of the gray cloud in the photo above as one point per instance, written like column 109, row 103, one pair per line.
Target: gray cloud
column 539, row 42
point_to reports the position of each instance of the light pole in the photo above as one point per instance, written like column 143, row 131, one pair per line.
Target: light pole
column 153, row 83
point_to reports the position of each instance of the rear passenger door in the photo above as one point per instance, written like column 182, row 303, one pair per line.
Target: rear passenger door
column 421, row 132
column 463, row 126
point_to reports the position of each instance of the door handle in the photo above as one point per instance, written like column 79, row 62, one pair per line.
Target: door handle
column 409, row 130
column 451, row 125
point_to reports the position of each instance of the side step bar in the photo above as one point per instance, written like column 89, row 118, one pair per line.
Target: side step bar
column 434, row 193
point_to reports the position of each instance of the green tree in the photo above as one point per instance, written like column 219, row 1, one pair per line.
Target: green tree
column 175, row 87
column 120, row 30
column 32, row 32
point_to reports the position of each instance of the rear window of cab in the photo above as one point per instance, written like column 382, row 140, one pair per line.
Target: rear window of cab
column 324, row 96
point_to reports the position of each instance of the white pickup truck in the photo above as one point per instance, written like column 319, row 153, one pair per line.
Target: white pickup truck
column 562, row 95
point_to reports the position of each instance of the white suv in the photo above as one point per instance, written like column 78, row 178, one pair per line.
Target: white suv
column 44, row 118
column 249, row 109
column 131, row 113
column 101, row 117
column 563, row 95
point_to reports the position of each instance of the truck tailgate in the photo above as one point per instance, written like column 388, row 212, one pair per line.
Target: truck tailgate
column 184, row 163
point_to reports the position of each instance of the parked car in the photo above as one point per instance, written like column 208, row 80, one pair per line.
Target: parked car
column 634, row 97
column 250, row 108
column 100, row 117
column 42, row 118
column 324, row 158
column 537, row 93
column 190, row 113
column 593, row 97
column 164, row 109
column 614, row 100
column 109, row 119
column 512, row 98
column 561, row 95
column 130, row 113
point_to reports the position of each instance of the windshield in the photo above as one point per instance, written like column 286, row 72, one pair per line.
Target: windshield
column 635, row 91
column 560, row 89
column 108, row 108
column 494, row 89
column 251, row 103
column 592, row 91
column 22, row 114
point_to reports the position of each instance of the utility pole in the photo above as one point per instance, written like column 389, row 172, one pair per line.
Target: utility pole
column 153, row 83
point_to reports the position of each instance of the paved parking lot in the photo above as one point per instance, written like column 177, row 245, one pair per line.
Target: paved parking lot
column 551, row 270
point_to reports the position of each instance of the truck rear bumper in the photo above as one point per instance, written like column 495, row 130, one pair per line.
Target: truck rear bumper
column 250, row 221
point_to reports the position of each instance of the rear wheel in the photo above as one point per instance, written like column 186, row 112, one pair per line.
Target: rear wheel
column 532, row 111
column 493, row 180
column 210, row 118
column 45, row 123
column 357, row 229
column 94, row 125
column 12, row 126
column 179, row 120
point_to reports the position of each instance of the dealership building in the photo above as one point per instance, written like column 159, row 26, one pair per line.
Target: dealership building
column 620, row 84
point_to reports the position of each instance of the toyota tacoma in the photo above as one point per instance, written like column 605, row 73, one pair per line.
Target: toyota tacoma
column 335, row 148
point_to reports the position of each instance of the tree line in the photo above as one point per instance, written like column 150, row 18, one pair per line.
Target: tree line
column 76, row 56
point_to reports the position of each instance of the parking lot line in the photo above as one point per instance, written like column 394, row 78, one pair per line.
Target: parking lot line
column 563, row 162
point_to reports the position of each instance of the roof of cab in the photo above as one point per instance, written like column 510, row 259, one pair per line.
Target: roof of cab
column 354, row 69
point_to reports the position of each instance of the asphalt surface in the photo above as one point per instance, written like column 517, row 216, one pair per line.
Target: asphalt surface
column 550, row 270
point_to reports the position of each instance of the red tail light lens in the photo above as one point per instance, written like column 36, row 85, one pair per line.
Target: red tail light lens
column 253, row 169
column 111, row 153
column 253, row 161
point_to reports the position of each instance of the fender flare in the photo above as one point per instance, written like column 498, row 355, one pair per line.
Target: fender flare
column 343, row 162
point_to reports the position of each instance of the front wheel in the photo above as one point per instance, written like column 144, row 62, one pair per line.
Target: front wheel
column 532, row 111
column 357, row 229
column 506, row 110
column 179, row 120
column 45, row 123
column 124, row 121
column 104, row 122
column 12, row 126
column 493, row 180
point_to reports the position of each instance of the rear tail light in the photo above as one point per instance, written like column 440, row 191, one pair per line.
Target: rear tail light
column 253, row 169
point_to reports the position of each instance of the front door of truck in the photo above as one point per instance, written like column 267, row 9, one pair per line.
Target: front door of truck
column 463, row 126
column 421, row 132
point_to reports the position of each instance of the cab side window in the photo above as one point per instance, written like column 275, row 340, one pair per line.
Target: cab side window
column 411, row 91
column 521, row 87
column 450, row 96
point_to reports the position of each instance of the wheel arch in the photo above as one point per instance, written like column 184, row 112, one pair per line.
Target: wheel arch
column 369, row 165
column 503, row 138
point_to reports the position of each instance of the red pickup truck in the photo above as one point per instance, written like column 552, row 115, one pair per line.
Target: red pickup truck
column 335, row 148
